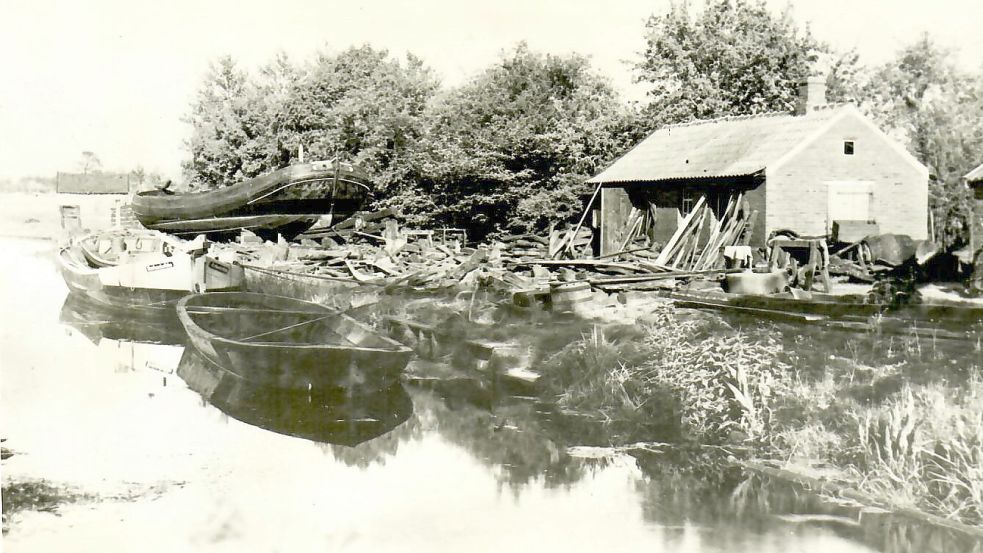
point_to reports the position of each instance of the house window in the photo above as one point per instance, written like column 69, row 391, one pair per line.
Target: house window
column 687, row 203
column 848, row 147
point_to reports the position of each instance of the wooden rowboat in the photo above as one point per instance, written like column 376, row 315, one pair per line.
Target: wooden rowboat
column 288, row 343
column 333, row 417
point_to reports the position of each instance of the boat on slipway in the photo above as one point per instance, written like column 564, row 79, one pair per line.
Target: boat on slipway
column 288, row 200
column 145, row 278
column 290, row 344
column 333, row 416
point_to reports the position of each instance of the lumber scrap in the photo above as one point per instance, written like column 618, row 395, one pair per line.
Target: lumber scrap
column 670, row 246
column 568, row 242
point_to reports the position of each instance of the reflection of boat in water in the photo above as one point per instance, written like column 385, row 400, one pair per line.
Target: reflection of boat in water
column 331, row 417
column 117, row 276
column 97, row 321
column 151, row 345
column 289, row 343
column 273, row 201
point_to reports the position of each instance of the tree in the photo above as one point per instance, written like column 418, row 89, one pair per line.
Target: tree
column 512, row 148
column 360, row 104
column 923, row 99
column 221, row 120
column 734, row 58
column 90, row 162
column 363, row 105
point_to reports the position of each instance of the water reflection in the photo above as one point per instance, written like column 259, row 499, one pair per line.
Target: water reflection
column 334, row 417
column 97, row 322
column 685, row 490
column 431, row 463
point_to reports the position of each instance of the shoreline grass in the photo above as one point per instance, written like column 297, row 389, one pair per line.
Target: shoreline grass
column 897, row 419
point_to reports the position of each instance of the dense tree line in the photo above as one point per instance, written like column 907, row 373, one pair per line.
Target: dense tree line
column 510, row 149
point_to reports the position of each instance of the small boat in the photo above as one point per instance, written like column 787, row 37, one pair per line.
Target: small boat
column 334, row 417
column 307, row 189
column 141, row 280
column 288, row 343
column 846, row 312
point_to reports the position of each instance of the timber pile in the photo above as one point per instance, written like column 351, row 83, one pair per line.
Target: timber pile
column 525, row 247
column 373, row 249
column 699, row 240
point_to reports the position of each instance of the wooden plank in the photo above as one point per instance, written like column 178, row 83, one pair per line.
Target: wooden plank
column 712, row 250
column 569, row 242
column 658, row 276
column 670, row 245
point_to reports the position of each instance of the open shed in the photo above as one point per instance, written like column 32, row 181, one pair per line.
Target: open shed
column 801, row 171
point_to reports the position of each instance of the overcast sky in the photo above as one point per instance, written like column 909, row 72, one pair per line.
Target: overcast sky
column 115, row 76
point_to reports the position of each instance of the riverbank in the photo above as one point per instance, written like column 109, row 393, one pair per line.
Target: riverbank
column 899, row 419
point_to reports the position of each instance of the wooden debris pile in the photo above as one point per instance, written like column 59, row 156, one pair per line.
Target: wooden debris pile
column 700, row 239
column 525, row 247
column 374, row 249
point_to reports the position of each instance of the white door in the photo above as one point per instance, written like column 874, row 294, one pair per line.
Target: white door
column 848, row 201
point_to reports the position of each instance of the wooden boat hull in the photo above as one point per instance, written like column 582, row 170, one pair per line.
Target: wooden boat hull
column 353, row 356
column 287, row 225
column 337, row 418
column 847, row 313
column 290, row 190
column 146, row 282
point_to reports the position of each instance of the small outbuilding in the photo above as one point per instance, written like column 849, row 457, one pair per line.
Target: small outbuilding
column 94, row 200
column 801, row 171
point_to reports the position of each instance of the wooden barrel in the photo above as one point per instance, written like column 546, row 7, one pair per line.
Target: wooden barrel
column 569, row 296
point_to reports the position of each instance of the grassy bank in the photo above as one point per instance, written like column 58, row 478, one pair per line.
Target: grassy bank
column 900, row 419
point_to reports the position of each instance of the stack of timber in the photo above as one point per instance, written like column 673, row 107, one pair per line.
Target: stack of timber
column 699, row 240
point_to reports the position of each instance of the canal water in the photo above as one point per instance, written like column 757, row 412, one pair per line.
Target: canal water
column 152, row 449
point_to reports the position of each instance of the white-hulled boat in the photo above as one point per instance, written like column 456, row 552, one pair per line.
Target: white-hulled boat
column 152, row 276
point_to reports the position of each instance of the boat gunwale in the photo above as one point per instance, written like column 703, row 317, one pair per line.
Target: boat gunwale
column 151, row 206
column 187, row 319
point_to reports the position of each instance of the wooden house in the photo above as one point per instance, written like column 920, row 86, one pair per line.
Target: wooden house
column 802, row 171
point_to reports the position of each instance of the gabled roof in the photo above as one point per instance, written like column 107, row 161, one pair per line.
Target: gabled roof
column 726, row 147
column 976, row 175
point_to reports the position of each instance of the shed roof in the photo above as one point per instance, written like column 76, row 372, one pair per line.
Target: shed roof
column 726, row 147
column 976, row 175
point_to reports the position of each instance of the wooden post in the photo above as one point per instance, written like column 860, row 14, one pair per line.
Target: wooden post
column 568, row 243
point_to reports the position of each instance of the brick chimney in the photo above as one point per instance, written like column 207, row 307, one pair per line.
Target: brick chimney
column 812, row 95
